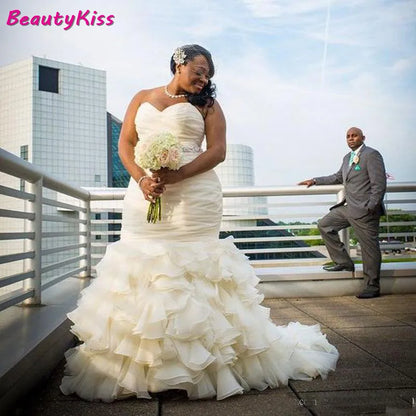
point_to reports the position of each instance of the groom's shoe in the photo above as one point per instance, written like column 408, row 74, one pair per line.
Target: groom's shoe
column 368, row 294
column 339, row 268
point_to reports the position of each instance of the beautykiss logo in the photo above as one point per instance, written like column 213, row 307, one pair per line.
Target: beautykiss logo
column 87, row 18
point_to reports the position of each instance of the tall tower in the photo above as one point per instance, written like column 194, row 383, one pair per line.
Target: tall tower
column 54, row 113
column 238, row 171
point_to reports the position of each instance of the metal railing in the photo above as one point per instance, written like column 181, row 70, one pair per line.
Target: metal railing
column 38, row 211
column 268, row 225
column 248, row 219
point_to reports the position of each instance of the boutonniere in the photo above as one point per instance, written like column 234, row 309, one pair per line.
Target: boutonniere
column 356, row 159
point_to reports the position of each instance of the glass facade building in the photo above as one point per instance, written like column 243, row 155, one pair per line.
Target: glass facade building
column 118, row 177
column 238, row 171
column 52, row 114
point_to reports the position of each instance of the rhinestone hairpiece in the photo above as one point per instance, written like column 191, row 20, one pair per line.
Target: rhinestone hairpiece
column 179, row 56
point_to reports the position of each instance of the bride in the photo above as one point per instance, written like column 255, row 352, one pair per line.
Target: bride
column 174, row 307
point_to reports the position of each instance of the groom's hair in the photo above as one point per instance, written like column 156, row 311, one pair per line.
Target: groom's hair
column 207, row 94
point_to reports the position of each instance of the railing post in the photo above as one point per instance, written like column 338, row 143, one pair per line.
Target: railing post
column 345, row 233
column 85, row 239
column 35, row 245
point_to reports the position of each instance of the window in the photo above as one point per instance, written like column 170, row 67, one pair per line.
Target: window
column 24, row 152
column 48, row 79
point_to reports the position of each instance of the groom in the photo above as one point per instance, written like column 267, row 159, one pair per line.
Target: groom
column 364, row 178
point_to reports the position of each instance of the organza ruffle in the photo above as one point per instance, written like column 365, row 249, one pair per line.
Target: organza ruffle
column 177, row 315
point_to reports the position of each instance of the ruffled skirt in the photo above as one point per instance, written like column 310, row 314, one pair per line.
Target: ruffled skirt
column 184, row 315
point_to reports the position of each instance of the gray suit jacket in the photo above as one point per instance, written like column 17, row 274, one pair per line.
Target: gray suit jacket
column 364, row 182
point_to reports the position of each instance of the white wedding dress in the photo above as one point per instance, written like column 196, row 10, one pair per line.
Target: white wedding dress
column 174, row 307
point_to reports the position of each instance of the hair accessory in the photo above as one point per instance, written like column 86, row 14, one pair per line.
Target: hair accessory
column 179, row 56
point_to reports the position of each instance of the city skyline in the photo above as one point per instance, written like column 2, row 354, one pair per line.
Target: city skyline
column 291, row 76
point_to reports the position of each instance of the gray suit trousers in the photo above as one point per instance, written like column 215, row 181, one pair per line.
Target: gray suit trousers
column 366, row 229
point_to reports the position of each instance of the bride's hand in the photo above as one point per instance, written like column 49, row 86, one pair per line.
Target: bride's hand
column 167, row 176
column 151, row 188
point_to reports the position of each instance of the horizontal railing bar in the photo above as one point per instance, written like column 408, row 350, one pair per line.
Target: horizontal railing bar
column 62, row 248
column 272, row 227
column 281, row 250
column 397, row 224
column 106, row 221
column 401, row 187
column 252, row 205
column 265, row 239
column 99, row 244
column 51, row 234
column 282, row 191
column 62, row 263
column 399, row 201
column 16, row 214
column 105, row 232
column 110, row 210
column 56, row 218
column 16, row 166
column 308, row 260
column 9, row 280
column 14, row 297
column 8, row 258
column 287, row 204
column 119, row 193
column 269, row 216
column 4, row 190
column 59, row 204
column 17, row 236
column 398, row 234
column 106, row 194
column 64, row 276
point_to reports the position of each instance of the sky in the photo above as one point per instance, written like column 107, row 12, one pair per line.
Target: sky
column 291, row 76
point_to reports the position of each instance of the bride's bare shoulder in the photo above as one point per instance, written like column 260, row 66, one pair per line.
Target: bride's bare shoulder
column 146, row 95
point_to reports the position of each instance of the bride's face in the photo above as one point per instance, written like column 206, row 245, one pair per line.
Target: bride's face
column 194, row 75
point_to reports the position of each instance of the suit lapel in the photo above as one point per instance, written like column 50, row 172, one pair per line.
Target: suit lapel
column 345, row 168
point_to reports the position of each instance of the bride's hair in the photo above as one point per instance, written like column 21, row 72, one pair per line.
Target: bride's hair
column 207, row 94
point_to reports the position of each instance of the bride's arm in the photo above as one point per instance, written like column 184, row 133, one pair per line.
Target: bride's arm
column 128, row 140
column 215, row 153
column 126, row 144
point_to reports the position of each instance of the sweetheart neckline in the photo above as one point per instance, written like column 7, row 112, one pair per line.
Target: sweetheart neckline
column 173, row 105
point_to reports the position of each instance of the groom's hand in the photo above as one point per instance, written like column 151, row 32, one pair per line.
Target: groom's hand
column 308, row 182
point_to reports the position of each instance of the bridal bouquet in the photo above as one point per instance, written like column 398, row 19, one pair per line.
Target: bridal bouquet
column 161, row 150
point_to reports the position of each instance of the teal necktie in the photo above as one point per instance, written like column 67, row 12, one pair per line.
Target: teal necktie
column 351, row 157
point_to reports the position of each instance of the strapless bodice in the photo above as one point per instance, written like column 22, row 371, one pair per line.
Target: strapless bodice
column 183, row 120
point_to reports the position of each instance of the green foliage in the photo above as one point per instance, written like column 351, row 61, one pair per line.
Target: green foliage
column 306, row 232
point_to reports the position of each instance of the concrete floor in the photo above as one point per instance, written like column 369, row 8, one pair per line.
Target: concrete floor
column 376, row 373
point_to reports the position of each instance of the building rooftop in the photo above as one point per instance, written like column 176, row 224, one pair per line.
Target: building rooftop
column 376, row 372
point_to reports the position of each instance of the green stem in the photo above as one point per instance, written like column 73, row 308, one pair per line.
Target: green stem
column 154, row 212
column 160, row 208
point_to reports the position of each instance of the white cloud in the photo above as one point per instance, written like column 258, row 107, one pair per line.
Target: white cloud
column 279, row 8
column 404, row 65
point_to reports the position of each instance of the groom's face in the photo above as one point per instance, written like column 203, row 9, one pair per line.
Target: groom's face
column 355, row 138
